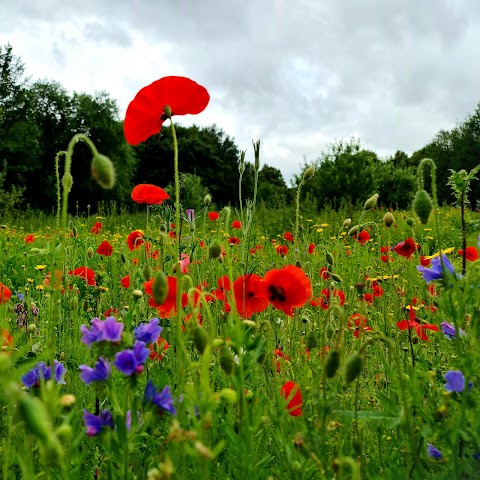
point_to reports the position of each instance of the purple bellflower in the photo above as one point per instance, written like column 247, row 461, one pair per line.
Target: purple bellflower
column 455, row 381
column 435, row 272
column 33, row 377
column 449, row 330
column 108, row 330
column 131, row 361
column 163, row 400
column 94, row 423
column 433, row 452
column 100, row 372
column 148, row 332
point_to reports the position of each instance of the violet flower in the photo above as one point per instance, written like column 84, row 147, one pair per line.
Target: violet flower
column 449, row 330
column 94, row 423
column 162, row 400
column 108, row 330
column 433, row 452
column 131, row 361
column 100, row 372
column 455, row 381
column 148, row 332
column 33, row 377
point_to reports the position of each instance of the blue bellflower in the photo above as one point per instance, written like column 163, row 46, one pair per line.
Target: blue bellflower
column 100, row 372
column 449, row 330
column 433, row 452
column 455, row 381
column 435, row 272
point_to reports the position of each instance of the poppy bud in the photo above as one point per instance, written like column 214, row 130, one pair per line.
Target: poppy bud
column 226, row 360
column 74, row 231
column 229, row 395
column 410, row 221
column 137, row 294
column 371, row 202
column 167, row 111
column 103, row 171
column 207, row 200
column 74, row 303
column 388, row 219
column 67, row 181
column 67, row 401
column 311, row 341
column 32, row 327
column 347, row 222
column 215, row 249
column 329, row 331
column 332, row 363
column 160, row 288
column 147, row 272
column 329, row 258
column 90, row 252
column 336, row 277
column 353, row 368
column 354, row 230
column 200, row 339
column 422, row 206
column 308, row 173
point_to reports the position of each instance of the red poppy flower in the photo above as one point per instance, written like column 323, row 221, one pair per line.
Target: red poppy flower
column 359, row 323
column 281, row 250
column 29, row 238
column 156, row 349
column 362, row 237
column 324, row 273
column 169, row 306
column 324, row 300
column 105, row 249
column 288, row 236
column 250, row 295
column 425, row 262
column 385, row 249
column 471, row 253
column 377, row 290
column 149, row 194
column 223, row 286
column 279, row 353
column 86, row 273
column 5, row 294
column 386, row 258
column 292, row 394
column 135, row 239
column 419, row 327
column 311, row 248
column 213, row 216
column 97, row 228
column 237, row 224
column 145, row 113
column 125, row 281
column 288, row 288
column 233, row 241
column 406, row 248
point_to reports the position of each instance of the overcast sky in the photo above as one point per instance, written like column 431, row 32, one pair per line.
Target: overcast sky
column 297, row 74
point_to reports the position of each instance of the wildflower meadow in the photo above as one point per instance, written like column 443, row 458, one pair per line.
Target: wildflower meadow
column 228, row 342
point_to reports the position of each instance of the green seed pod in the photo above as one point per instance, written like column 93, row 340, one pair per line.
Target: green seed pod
column 329, row 258
column 160, row 288
column 347, row 222
column 215, row 248
column 336, row 277
column 226, row 360
column 422, row 206
column 410, row 221
column 353, row 368
column 207, row 200
column 74, row 303
column 388, row 219
column 67, row 181
column 371, row 202
column 329, row 331
column 200, row 339
column 332, row 363
column 37, row 420
column 103, row 171
column 147, row 272
column 354, row 231
column 309, row 173
column 311, row 341
column 90, row 252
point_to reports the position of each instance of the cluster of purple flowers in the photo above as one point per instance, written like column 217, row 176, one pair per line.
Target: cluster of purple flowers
column 129, row 361
column 33, row 377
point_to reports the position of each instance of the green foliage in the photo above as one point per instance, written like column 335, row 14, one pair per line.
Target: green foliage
column 8, row 199
column 192, row 191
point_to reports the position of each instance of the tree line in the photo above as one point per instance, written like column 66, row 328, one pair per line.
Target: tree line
column 38, row 119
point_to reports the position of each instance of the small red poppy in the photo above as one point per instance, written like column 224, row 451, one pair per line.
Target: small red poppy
column 237, row 224
column 406, row 248
column 86, row 273
column 145, row 113
column 169, row 306
column 97, row 228
column 359, row 323
column 125, row 281
column 156, row 351
column 471, row 253
column 135, row 239
column 288, row 236
column 324, row 300
column 213, row 216
column 324, row 273
column 149, row 194
column 311, row 248
column 29, row 238
column 362, row 237
column 419, row 327
column 250, row 295
column 5, row 294
column 233, row 241
column 105, row 249
column 288, row 288
column 424, row 262
column 292, row 394
column 281, row 250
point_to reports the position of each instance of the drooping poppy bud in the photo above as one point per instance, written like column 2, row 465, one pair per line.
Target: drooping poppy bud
column 200, row 339
column 332, row 363
column 215, row 248
column 103, row 171
column 311, row 341
column 371, row 202
column 160, row 288
column 353, row 367
column 422, row 206
column 354, row 230
column 388, row 219
column 329, row 258
column 207, row 200
column 309, row 173
column 226, row 359
column 147, row 272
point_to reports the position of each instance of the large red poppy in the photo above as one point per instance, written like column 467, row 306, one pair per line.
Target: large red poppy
column 414, row 323
column 86, row 273
column 288, row 288
column 105, row 249
column 250, row 295
column 145, row 113
column 291, row 392
column 406, row 248
column 149, row 194
column 135, row 239
column 471, row 253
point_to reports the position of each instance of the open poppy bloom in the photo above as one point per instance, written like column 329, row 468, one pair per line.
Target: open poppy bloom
column 471, row 253
column 29, row 238
column 169, row 306
column 237, row 224
column 105, row 249
column 146, row 112
column 419, row 327
column 324, row 300
column 5, row 294
column 406, row 248
column 250, row 295
column 281, row 250
column 288, row 288
column 86, row 273
column 288, row 236
column 97, row 228
column 363, row 237
column 291, row 393
column 149, row 194
column 213, row 216
column 135, row 239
